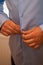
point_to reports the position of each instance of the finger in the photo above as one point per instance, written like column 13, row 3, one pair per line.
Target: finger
column 28, row 41
column 9, row 29
column 4, row 29
column 36, row 46
column 32, row 44
column 14, row 30
column 4, row 33
column 14, row 26
column 29, row 31
column 28, row 36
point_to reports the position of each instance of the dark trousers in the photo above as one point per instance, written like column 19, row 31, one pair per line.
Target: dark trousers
column 12, row 62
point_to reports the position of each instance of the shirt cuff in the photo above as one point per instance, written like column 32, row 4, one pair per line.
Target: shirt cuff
column 3, row 18
column 41, row 26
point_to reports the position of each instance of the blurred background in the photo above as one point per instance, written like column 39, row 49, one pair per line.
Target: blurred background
column 5, row 55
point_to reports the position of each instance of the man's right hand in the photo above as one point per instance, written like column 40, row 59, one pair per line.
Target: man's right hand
column 9, row 28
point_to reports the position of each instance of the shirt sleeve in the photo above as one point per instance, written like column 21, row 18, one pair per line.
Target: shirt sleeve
column 41, row 26
column 3, row 16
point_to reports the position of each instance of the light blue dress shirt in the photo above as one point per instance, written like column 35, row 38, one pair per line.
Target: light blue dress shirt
column 28, row 14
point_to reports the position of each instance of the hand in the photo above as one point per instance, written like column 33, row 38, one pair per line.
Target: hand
column 33, row 37
column 9, row 28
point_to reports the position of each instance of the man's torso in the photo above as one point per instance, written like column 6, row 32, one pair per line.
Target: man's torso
column 26, row 13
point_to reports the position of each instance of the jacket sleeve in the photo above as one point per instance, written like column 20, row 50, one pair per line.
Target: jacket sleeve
column 3, row 16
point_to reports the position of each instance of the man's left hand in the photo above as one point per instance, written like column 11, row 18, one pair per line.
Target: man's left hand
column 33, row 37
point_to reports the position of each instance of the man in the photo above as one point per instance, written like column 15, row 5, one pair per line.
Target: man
column 25, row 27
